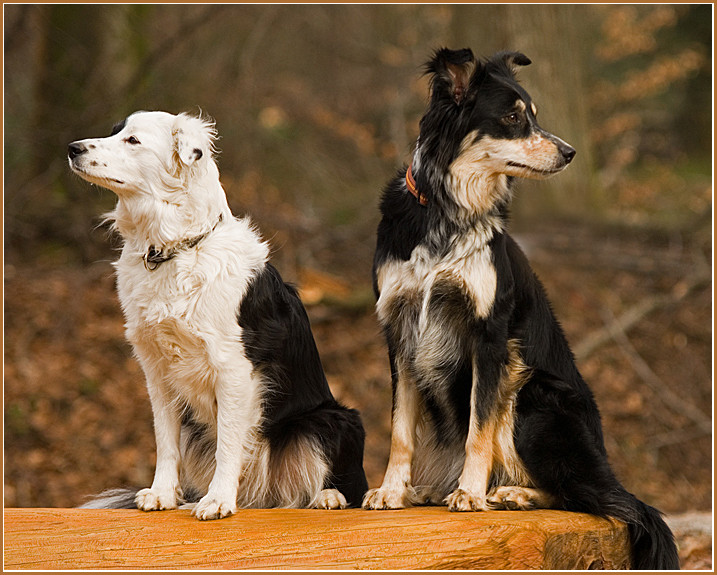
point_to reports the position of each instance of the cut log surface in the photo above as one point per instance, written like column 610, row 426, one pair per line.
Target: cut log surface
column 418, row 538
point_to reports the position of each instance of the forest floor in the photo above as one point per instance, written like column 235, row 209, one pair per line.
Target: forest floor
column 637, row 308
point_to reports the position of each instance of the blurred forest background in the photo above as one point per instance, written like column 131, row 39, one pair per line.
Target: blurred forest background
column 317, row 106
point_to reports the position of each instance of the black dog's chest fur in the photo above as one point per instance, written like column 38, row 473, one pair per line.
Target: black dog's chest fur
column 429, row 306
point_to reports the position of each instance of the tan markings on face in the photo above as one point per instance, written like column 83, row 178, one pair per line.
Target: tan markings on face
column 538, row 154
column 520, row 105
column 534, row 109
column 475, row 182
column 477, row 176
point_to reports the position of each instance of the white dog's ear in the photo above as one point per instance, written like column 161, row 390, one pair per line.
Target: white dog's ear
column 193, row 138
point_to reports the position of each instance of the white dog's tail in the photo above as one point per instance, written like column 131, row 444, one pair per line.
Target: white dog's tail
column 112, row 499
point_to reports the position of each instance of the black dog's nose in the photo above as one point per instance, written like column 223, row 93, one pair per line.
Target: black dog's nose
column 75, row 149
column 567, row 152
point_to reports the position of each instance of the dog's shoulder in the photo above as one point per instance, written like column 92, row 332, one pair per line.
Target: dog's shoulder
column 403, row 224
column 267, row 298
column 516, row 263
column 238, row 239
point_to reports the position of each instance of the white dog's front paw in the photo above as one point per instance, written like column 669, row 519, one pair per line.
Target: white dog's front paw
column 211, row 507
column 154, row 500
column 462, row 500
column 384, row 498
column 331, row 499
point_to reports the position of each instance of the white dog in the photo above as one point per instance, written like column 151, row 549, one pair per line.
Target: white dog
column 243, row 414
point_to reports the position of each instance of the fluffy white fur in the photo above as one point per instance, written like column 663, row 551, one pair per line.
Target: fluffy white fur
column 181, row 318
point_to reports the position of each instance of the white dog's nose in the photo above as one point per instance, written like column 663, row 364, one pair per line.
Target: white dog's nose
column 75, row 149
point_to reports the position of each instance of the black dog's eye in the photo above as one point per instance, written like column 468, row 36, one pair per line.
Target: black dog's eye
column 512, row 118
column 132, row 140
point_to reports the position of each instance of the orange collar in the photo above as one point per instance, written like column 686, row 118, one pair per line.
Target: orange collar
column 411, row 185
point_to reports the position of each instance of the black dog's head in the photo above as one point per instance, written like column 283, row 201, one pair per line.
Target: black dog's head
column 481, row 124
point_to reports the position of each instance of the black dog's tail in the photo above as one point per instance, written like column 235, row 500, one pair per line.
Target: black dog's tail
column 559, row 438
column 112, row 499
column 653, row 544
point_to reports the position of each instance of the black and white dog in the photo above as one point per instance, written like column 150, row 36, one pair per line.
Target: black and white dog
column 243, row 414
column 489, row 410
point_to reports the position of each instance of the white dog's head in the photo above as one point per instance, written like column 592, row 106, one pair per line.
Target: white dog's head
column 162, row 169
column 146, row 153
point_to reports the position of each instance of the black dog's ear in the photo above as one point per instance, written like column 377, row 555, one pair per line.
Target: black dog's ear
column 452, row 71
column 512, row 59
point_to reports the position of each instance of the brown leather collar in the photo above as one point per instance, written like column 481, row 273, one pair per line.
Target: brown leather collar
column 154, row 257
column 411, row 185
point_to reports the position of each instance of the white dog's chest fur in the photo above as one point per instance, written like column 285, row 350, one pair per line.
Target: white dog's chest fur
column 182, row 317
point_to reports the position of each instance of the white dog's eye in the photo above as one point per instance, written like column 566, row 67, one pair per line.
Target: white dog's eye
column 132, row 140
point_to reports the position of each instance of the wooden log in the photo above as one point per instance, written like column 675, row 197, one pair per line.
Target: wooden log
column 419, row 538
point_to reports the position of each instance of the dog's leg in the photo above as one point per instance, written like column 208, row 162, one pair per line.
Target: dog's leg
column 519, row 498
column 331, row 499
column 235, row 403
column 167, row 424
column 473, row 482
column 396, row 491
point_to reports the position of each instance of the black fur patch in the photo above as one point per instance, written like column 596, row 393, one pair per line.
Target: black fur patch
column 297, row 401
